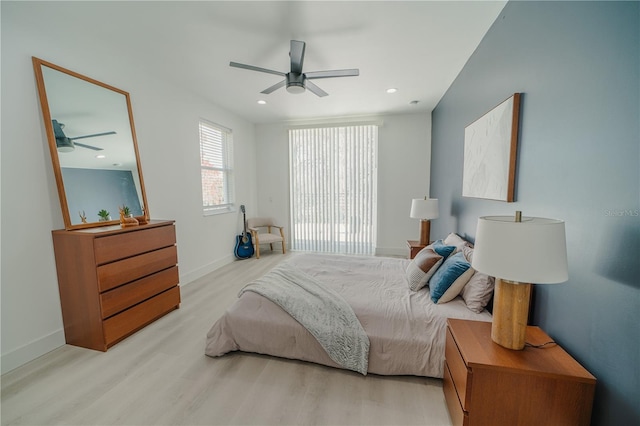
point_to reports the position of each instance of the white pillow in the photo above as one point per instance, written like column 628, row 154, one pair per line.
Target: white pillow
column 457, row 241
column 478, row 291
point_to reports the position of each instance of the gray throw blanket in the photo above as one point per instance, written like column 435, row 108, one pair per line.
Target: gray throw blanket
column 321, row 310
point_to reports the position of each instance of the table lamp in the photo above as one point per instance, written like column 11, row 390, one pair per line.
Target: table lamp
column 424, row 209
column 518, row 251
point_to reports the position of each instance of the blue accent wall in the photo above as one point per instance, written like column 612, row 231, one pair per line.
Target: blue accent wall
column 577, row 65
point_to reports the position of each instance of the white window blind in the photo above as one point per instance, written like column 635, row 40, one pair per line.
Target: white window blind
column 334, row 189
column 216, row 163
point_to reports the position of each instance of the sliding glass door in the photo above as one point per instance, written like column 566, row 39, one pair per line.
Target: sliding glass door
column 333, row 188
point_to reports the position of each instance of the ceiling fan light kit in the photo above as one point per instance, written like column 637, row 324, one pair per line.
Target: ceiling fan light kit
column 297, row 81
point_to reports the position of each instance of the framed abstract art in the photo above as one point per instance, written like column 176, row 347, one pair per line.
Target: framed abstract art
column 490, row 152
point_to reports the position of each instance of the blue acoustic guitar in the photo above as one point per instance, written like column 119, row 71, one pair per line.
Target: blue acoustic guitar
column 244, row 245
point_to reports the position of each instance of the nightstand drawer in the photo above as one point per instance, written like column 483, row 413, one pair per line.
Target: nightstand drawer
column 458, row 416
column 460, row 375
column 121, row 272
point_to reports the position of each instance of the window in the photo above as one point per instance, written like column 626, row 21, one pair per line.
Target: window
column 334, row 189
column 216, row 163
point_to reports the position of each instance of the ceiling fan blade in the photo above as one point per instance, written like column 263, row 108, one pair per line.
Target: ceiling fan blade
column 297, row 56
column 274, row 87
column 333, row 73
column 315, row 89
column 95, row 135
column 95, row 148
column 252, row 68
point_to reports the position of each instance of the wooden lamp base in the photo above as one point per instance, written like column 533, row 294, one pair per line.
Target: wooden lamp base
column 425, row 230
column 510, row 313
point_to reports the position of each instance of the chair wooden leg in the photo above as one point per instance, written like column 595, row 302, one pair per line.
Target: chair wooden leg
column 271, row 245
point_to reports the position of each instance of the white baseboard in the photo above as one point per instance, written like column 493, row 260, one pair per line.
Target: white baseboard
column 191, row 276
column 30, row 351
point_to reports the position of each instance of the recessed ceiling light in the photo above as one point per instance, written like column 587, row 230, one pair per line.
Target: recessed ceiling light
column 392, row 90
column 101, row 156
column 262, row 102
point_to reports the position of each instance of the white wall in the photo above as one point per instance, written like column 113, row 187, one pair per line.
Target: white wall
column 404, row 158
column 166, row 120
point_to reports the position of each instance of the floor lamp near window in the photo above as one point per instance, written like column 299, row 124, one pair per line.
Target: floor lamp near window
column 518, row 251
column 424, row 209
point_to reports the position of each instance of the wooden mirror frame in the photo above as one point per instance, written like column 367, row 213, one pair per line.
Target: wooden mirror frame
column 38, row 64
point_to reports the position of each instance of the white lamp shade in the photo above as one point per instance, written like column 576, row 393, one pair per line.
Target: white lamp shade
column 531, row 251
column 424, row 208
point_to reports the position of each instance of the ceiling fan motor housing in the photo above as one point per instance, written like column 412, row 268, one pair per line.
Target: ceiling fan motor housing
column 64, row 144
column 295, row 82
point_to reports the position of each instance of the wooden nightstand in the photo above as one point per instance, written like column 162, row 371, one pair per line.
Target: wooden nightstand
column 414, row 248
column 486, row 384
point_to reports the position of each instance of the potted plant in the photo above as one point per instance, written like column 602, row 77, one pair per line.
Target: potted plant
column 105, row 216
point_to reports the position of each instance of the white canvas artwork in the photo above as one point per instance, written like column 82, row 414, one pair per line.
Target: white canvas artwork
column 489, row 153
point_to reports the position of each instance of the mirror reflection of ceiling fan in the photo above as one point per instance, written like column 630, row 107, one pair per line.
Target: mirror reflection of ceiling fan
column 295, row 80
column 65, row 144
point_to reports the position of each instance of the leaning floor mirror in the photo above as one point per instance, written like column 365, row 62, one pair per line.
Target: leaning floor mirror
column 93, row 147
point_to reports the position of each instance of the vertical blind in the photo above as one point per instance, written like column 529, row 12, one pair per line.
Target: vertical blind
column 216, row 164
column 334, row 189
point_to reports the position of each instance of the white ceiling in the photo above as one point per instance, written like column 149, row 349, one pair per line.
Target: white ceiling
column 418, row 47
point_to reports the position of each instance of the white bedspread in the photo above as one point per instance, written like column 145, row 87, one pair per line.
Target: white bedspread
column 406, row 329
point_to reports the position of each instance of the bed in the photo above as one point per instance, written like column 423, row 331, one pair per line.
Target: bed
column 405, row 329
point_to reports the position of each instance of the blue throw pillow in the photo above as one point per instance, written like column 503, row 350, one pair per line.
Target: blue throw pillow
column 449, row 280
column 442, row 249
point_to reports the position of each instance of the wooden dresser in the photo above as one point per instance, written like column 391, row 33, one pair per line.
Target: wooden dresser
column 114, row 281
column 486, row 384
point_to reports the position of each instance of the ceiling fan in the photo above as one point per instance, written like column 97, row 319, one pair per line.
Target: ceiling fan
column 296, row 81
column 65, row 144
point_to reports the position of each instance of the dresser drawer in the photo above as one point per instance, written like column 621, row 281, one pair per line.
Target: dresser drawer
column 125, row 323
column 123, row 271
column 460, row 375
column 458, row 416
column 114, row 247
column 123, row 297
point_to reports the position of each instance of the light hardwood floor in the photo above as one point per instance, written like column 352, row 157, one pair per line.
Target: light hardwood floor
column 161, row 376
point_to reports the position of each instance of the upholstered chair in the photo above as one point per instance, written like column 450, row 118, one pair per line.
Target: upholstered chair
column 263, row 231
